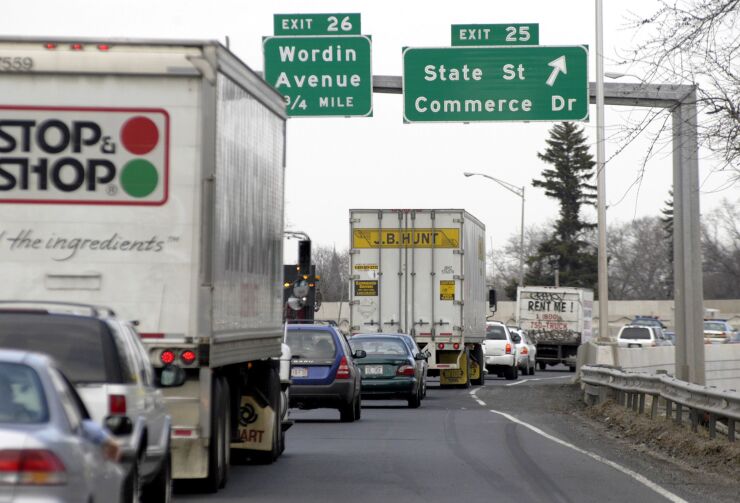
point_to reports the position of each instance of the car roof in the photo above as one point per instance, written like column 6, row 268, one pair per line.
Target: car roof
column 298, row 327
column 27, row 357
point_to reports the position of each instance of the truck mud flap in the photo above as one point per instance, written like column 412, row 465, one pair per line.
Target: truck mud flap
column 256, row 421
column 454, row 377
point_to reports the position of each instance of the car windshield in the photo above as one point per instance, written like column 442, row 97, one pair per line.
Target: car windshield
column 21, row 395
column 635, row 333
column 714, row 326
column 380, row 346
column 81, row 347
column 495, row 333
column 648, row 322
column 311, row 344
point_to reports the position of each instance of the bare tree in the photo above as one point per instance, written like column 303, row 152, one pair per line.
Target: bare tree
column 721, row 247
column 504, row 272
column 333, row 267
column 696, row 41
column 639, row 265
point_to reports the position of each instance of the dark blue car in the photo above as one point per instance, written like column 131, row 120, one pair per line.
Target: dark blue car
column 323, row 370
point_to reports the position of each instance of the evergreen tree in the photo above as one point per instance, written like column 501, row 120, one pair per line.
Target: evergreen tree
column 667, row 222
column 567, row 250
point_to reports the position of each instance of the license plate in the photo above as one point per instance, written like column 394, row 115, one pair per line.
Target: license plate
column 299, row 372
column 634, row 345
column 373, row 370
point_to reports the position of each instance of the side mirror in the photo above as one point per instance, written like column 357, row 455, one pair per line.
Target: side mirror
column 172, row 376
column 516, row 338
column 119, row 425
column 420, row 356
column 492, row 299
column 360, row 353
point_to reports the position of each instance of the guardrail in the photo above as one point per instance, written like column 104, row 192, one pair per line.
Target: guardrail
column 631, row 388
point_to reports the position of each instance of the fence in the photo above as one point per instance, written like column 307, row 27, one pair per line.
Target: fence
column 632, row 388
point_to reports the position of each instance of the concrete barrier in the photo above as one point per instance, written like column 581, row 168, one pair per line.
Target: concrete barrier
column 722, row 361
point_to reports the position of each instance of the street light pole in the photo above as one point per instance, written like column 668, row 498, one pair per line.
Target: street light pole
column 519, row 191
column 603, row 274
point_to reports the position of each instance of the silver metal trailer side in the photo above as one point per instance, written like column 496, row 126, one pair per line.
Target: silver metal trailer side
column 148, row 176
column 422, row 272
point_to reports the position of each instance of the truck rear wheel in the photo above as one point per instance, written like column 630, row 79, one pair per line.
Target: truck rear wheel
column 218, row 444
column 477, row 356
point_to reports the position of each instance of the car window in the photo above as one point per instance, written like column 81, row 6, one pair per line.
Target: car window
column 495, row 333
column 22, row 398
column 81, row 346
column 71, row 409
column 714, row 326
column 635, row 333
column 130, row 368
column 381, row 346
column 311, row 344
column 139, row 361
column 146, row 364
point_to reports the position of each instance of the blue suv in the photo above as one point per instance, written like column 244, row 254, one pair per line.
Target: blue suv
column 323, row 370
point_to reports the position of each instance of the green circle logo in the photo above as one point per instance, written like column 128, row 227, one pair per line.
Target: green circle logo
column 139, row 178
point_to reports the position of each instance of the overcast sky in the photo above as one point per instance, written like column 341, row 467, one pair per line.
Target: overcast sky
column 379, row 162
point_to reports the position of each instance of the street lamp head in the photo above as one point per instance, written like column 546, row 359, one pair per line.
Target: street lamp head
column 468, row 174
column 614, row 75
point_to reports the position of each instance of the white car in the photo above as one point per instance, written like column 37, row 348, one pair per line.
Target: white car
column 526, row 352
column 500, row 351
column 638, row 336
column 110, row 369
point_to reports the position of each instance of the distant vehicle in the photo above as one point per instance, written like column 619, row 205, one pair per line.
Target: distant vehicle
column 648, row 321
column 717, row 331
column 323, row 371
column 501, row 354
column 422, row 272
column 105, row 360
column 557, row 320
column 735, row 338
column 389, row 369
column 45, row 454
column 640, row 336
column 526, row 352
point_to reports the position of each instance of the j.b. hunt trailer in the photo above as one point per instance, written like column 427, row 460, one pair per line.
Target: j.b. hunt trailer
column 148, row 177
column 422, row 272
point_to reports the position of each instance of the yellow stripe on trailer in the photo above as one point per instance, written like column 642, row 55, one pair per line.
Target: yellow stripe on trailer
column 406, row 238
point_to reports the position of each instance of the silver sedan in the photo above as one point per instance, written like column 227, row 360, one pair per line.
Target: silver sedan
column 50, row 450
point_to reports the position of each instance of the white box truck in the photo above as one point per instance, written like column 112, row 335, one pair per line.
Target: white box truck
column 422, row 272
column 148, row 177
column 558, row 319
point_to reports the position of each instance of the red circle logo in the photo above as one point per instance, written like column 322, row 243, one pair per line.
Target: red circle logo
column 139, row 135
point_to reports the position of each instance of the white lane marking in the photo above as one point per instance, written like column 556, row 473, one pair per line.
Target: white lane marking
column 522, row 381
column 480, row 402
column 643, row 480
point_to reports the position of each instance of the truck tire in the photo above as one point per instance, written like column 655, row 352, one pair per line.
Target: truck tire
column 478, row 357
column 542, row 365
column 159, row 490
column 217, row 446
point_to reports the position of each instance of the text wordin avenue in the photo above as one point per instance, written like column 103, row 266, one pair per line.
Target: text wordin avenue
column 331, row 54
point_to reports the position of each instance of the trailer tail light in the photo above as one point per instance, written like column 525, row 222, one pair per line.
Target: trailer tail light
column 167, row 356
column 187, row 357
column 50, row 46
column 31, row 467
column 508, row 348
column 117, row 404
column 77, row 47
column 343, row 369
column 456, row 346
column 103, row 47
column 441, row 345
column 406, row 370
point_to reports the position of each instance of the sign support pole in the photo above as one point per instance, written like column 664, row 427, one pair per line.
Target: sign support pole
column 603, row 271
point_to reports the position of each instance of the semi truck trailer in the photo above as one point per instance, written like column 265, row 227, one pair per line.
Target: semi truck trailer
column 147, row 176
column 422, row 272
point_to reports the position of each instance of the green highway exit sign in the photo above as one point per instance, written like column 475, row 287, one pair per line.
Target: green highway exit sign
column 317, row 24
column 495, row 34
column 321, row 75
column 478, row 84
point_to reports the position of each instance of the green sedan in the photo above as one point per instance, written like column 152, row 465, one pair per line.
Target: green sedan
column 389, row 370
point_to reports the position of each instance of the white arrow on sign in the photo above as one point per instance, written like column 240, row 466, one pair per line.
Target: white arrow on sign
column 558, row 65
